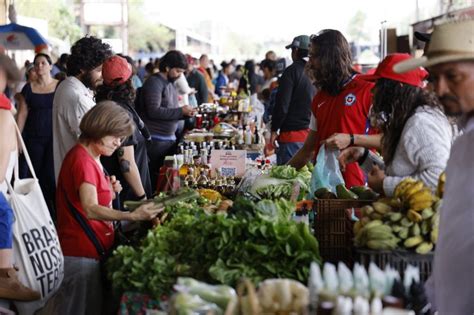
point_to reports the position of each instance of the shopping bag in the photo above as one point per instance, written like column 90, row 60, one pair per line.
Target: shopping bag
column 36, row 249
column 327, row 172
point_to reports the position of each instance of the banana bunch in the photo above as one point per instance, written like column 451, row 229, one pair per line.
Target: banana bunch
column 415, row 196
column 375, row 235
column 386, row 224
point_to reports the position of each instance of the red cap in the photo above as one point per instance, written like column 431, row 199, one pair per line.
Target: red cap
column 385, row 70
column 116, row 70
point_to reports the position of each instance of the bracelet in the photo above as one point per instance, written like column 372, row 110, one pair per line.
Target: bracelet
column 352, row 139
column 141, row 197
column 363, row 157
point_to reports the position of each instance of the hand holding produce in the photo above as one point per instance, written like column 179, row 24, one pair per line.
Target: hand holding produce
column 147, row 211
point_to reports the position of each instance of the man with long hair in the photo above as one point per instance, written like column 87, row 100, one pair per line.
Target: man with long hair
column 342, row 103
column 74, row 96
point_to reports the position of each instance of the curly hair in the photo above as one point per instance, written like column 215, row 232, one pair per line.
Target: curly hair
column 398, row 101
column 333, row 53
column 122, row 93
column 87, row 54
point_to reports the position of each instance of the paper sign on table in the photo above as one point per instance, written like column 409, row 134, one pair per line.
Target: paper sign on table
column 229, row 162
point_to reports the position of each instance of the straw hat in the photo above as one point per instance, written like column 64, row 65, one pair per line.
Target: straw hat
column 452, row 41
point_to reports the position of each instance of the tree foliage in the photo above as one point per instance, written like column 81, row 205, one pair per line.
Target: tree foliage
column 61, row 22
column 145, row 35
column 356, row 28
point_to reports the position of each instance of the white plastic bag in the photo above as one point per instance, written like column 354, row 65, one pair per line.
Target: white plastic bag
column 327, row 172
column 36, row 249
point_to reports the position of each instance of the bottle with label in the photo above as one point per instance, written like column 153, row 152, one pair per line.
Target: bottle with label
column 183, row 170
column 248, row 136
column 256, row 136
column 203, row 180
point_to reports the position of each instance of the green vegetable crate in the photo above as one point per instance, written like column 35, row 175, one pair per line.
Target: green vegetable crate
column 397, row 259
column 333, row 228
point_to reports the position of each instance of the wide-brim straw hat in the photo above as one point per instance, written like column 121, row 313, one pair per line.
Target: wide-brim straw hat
column 451, row 41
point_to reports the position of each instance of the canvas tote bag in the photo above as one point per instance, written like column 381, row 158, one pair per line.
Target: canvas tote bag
column 36, row 249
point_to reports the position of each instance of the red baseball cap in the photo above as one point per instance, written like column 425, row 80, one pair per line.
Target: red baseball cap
column 385, row 70
column 116, row 70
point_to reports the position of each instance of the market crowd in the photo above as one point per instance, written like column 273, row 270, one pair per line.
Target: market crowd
column 98, row 126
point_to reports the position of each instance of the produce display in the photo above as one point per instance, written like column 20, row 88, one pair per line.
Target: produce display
column 280, row 182
column 338, row 290
column 409, row 220
column 355, row 193
column 253, row 240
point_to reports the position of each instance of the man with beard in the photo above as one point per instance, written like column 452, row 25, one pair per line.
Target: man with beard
column 74, row 96
column 342, row 103
column 158, row 106
column 450, row 60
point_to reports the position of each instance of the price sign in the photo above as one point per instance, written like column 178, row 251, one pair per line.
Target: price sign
column 229, row 162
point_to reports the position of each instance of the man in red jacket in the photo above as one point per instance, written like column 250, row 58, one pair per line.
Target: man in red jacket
column 342, row 103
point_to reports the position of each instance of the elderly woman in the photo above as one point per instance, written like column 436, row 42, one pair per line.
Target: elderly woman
column 417, row 135
column 84, row 198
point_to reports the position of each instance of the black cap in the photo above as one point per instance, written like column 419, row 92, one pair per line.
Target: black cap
column 423, row 37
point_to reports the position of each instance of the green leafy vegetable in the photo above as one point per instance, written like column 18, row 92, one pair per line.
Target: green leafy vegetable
column 256, row 241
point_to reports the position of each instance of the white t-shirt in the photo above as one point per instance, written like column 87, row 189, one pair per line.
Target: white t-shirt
column 71, row 101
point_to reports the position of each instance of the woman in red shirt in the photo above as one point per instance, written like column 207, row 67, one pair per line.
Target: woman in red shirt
column 84, row 198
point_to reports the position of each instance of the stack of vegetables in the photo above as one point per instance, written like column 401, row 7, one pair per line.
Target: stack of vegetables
column 281, row 181
column 254, row 240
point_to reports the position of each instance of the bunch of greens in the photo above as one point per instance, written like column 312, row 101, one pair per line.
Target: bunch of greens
column 280, row 181
column 256, row 241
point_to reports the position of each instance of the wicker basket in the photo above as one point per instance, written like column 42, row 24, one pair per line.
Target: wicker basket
column 333, row 228
column 397, row 259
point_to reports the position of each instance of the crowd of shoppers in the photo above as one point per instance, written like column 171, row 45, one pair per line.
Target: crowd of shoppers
column 98, row 128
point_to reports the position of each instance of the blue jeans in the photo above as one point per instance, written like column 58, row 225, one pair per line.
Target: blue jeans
column 6, row 221
column 287, row 150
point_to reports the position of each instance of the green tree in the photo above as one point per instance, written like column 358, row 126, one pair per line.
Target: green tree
column 356, row 28
column 146, row 35
column 61, row 23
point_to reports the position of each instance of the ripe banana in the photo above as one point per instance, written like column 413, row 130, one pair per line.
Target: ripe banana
column 421, row 200
column 437, row 205
column 414, row 216
column 357, row 227
column 413, row 189
column 424, row 248
column 413, row 241
column 402, row 186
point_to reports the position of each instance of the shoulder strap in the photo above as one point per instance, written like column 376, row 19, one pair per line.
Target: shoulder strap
column 85, row 227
